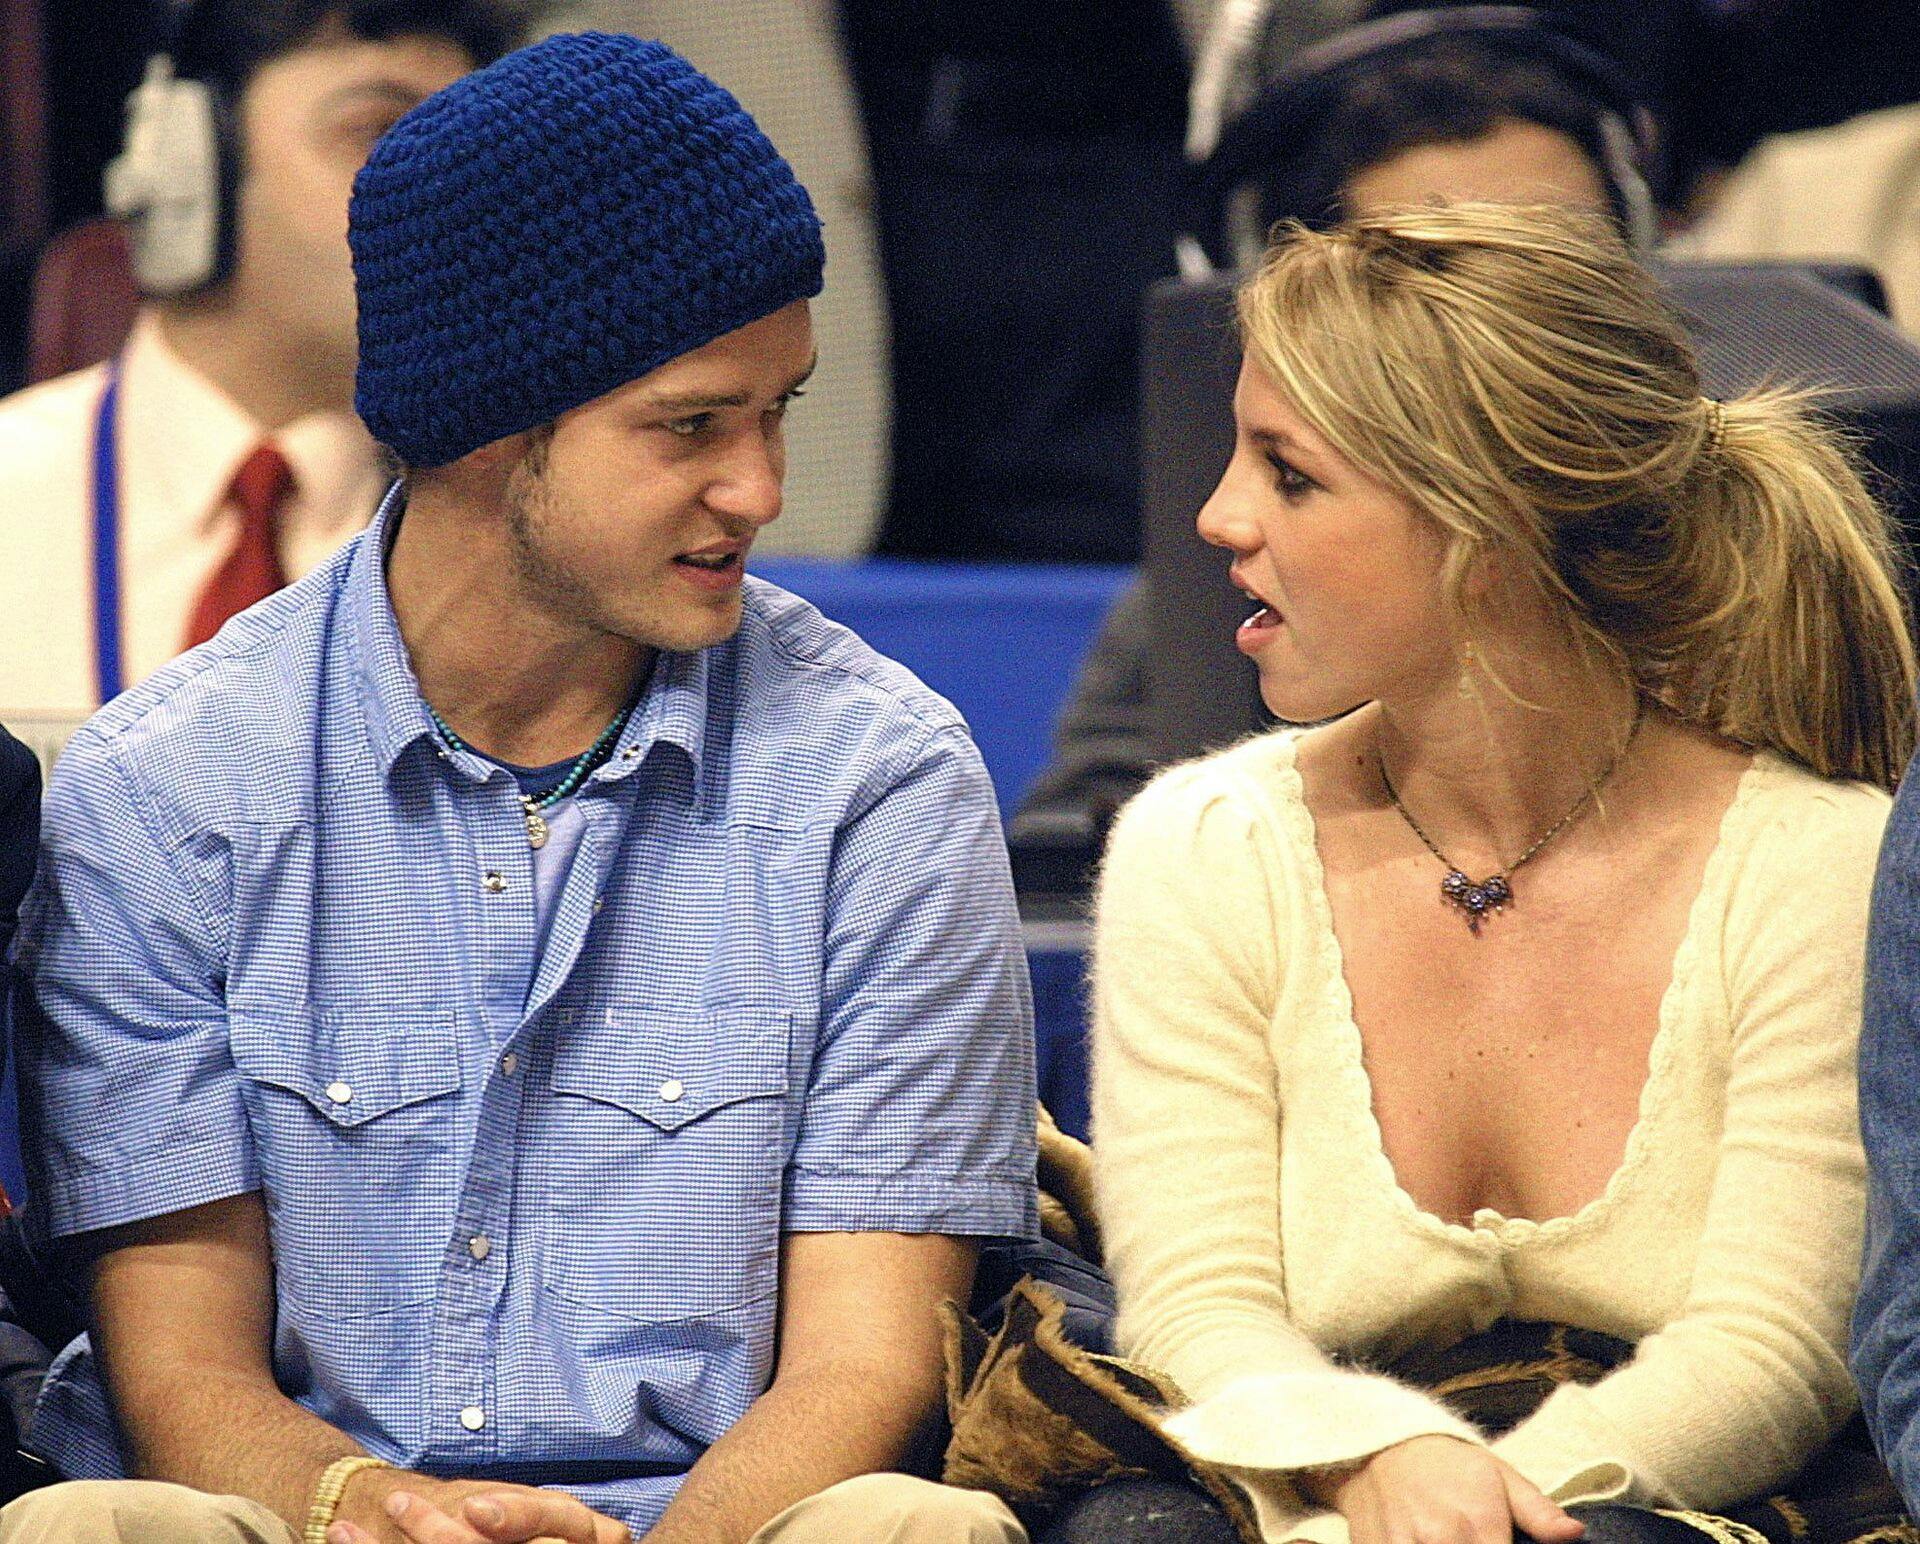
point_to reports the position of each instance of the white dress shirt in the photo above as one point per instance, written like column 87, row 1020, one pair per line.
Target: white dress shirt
column 180, row 440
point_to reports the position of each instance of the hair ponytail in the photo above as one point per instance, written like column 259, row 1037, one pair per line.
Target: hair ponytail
column 1787, row 625
column 1516, row 375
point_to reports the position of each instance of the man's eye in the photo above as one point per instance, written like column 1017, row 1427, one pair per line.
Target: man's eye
column 365, row 128
column 688, row 427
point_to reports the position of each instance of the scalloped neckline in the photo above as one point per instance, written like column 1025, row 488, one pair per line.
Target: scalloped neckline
column 1337, row 1001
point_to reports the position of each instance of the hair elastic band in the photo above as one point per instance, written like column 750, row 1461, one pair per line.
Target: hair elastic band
column 1716, row 423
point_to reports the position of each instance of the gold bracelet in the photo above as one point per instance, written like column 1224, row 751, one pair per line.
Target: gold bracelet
column 326, row 1495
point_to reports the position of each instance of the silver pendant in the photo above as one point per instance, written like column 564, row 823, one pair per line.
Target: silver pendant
column 536, row 829
column 1476, row 900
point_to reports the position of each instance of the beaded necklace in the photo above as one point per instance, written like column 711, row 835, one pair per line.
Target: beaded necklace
column 533, row 808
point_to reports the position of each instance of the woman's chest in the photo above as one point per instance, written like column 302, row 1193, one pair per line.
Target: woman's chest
column 1507, row 1066
column 1498, row 1153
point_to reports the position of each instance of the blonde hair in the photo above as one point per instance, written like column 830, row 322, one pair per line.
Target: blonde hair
column 1516, row 375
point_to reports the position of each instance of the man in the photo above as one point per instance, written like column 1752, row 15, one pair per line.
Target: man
column 1847, row 193
column 529, row 1004
column 237, row 462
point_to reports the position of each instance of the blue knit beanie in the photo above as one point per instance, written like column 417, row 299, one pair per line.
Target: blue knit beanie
column 554, row 226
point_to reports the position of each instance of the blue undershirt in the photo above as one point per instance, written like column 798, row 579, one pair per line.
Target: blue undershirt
column 553, row 862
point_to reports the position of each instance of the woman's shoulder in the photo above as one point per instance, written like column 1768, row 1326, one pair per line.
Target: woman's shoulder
column 1218, row 832
column 1800, row 852
column 1793, row 811
column 1255, row 778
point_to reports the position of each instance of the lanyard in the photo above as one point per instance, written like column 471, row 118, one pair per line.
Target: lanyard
column 106, row 538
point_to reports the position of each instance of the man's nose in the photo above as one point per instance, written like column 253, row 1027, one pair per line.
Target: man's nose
column 749, row 486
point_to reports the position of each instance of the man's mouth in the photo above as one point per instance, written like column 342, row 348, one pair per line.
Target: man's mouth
column 713, row 562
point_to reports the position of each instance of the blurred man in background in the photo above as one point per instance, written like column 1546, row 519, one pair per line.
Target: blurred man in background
column 217, row 457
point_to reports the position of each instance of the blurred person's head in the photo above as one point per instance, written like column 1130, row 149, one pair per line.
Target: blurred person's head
column 1472, row 442
column 1488, row 103
column 1459, row 119
column 307, row 88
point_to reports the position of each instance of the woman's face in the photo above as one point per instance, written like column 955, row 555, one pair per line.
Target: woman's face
column 1347, row 574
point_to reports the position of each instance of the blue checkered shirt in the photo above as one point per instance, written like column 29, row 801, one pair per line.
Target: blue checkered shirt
column 525, row 1203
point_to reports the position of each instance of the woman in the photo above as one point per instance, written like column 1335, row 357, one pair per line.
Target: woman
column 1526, row 985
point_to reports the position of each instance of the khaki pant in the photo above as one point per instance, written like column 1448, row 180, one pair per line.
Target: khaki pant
column 873, row 1509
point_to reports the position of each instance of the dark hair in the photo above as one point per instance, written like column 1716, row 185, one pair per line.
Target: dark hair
column 223, row 42
column 1445, row 91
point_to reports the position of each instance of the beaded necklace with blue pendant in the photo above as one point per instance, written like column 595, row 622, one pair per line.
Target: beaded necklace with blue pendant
column 535, row 809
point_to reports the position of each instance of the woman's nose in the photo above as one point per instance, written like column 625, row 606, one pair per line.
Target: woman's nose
column 1221, row 520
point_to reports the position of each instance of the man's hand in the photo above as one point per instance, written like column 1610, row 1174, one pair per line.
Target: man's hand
column 394, row 1507
column 1440, row 1490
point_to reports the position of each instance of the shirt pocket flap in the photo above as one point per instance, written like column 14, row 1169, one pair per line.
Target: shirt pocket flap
column 671, row 1067
column 352, row 1066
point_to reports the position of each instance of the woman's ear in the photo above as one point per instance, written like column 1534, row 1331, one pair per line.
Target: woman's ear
column 1484, row 571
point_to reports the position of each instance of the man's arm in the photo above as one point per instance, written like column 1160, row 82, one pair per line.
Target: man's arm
column 183, row 1312
column 857, row 1381
column 1885, row 1353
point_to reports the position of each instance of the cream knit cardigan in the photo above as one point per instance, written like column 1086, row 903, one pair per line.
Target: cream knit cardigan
column 1254, row 1224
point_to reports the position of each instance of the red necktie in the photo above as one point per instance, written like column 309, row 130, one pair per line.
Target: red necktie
column 251, row 571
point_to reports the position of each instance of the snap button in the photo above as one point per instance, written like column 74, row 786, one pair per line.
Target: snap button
column 473, row 1417
column 673, row 1091
column 339, row 1093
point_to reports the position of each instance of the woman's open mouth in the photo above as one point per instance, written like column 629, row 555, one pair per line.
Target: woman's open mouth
column 1255, row 631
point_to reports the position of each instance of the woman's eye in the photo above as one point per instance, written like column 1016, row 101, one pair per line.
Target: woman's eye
column 1289, row 479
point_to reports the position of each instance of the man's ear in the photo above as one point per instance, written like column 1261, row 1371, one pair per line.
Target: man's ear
column 483, row 473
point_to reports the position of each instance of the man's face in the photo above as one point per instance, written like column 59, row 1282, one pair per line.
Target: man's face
column 307, row 121
column 1512, row 163
column 633, row 516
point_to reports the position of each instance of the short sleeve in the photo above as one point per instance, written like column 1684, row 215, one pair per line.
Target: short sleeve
column 919, row 1116
column 130, row 1104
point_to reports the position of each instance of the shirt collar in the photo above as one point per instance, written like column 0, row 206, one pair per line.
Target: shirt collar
column 188, row 432
column 673, row 709
column 189, row 437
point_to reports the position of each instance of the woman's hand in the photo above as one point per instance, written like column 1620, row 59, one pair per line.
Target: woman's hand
column 1438, row 1490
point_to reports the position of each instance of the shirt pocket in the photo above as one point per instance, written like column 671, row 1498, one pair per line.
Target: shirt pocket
column 356, row 1131
column 664, row 1192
